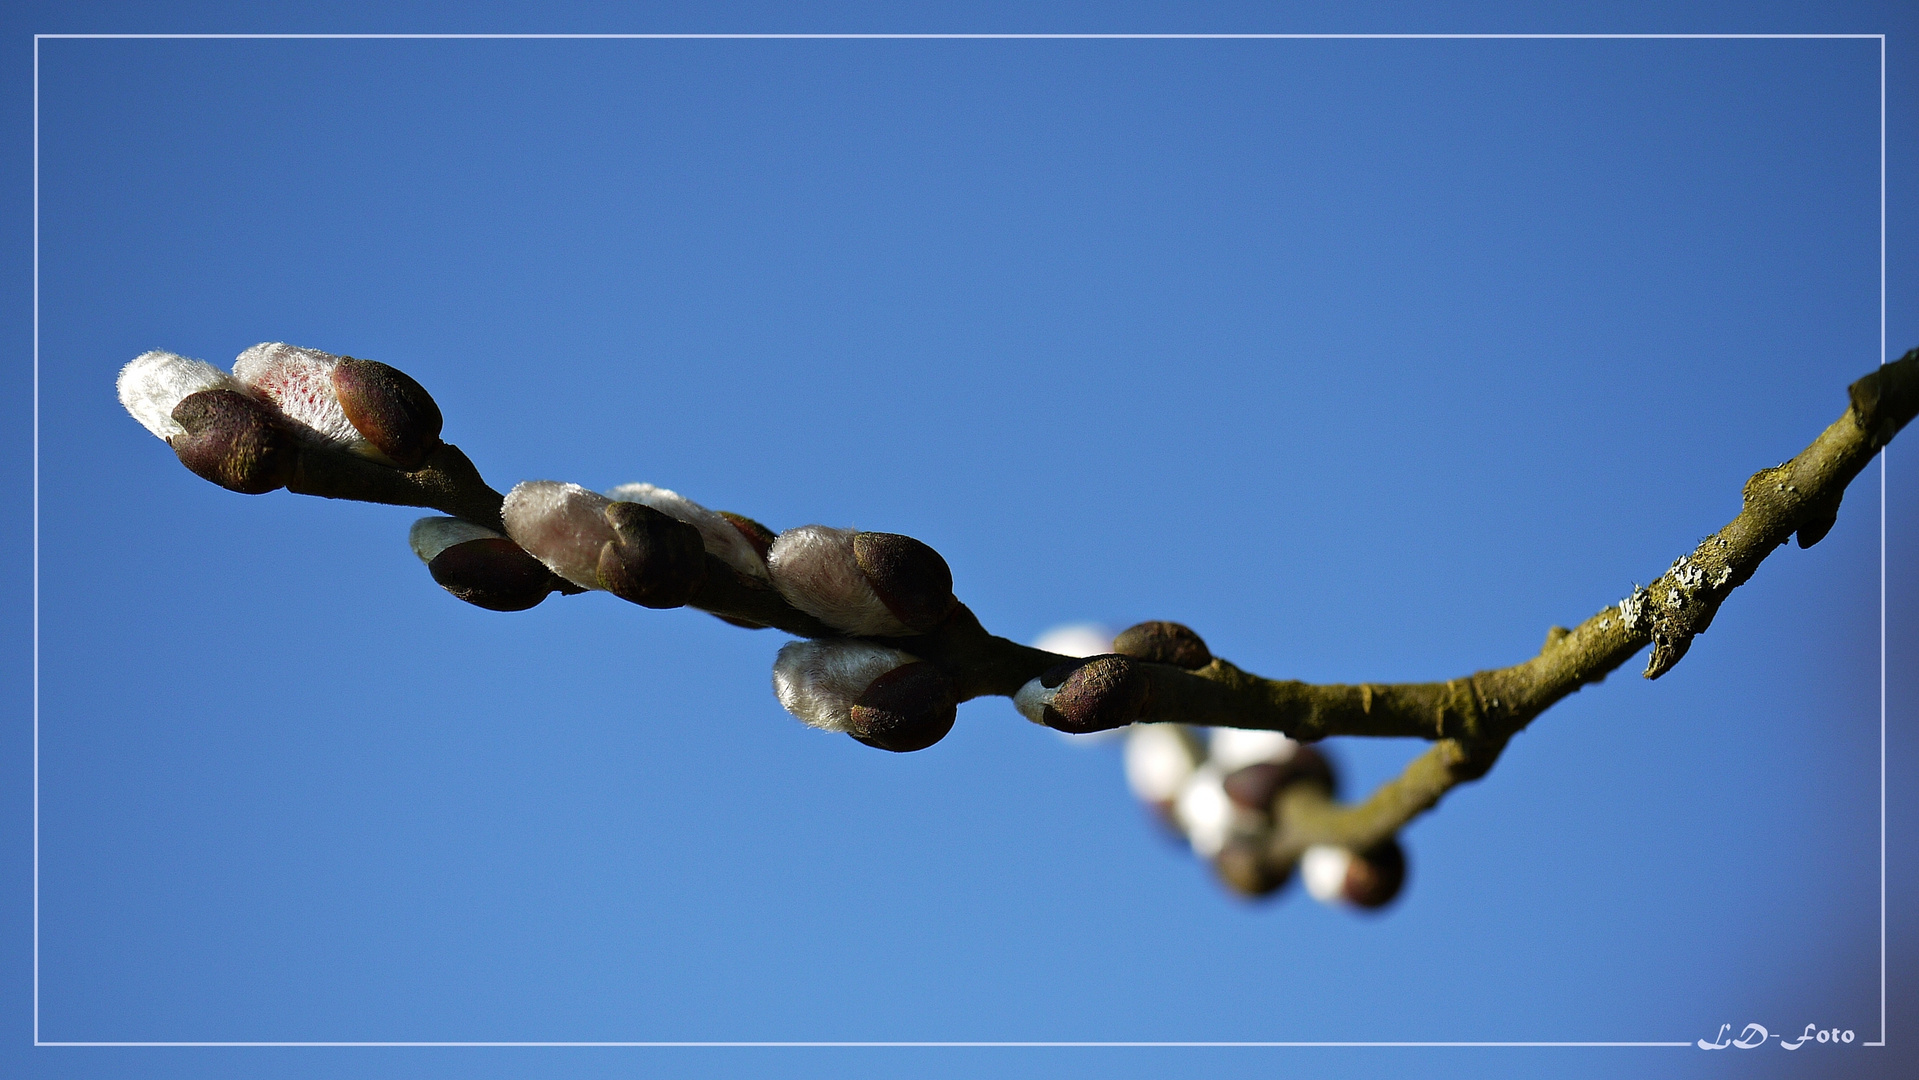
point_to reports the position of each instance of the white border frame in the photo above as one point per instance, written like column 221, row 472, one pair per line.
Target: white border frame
column 37, row 38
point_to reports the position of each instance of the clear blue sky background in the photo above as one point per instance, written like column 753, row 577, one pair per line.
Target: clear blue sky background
column 1367, row 359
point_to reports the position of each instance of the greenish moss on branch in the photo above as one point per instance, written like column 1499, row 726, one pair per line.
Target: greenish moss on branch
column 1473, row 718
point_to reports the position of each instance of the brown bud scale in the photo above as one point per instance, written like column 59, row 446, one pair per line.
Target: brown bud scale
column 1255, row 787
column 496, row 574
column 1100, row 693
column 234, row 441
column 909, row 708
column 1375, row 876
column 910, row 578
column 654, row 560
column 1245, row 868
column 392, row 411
column 1164, row 643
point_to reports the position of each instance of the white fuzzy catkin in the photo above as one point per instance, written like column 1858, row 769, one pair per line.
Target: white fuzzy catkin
column 154, row 382
column 1076, row 639
column 1031, row 700
column 1233, row 749
column 721, row 539
column 1204, row 811
column 814, row 568
column 431, row 535
column 299, row 382
column 562, row 525
column 820, row 681
column 1160, row 758
column 1323, row 868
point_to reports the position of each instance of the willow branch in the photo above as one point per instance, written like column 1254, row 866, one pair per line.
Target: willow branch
column 1472, row 718
column 239, row 440
column 447, row 482
column 1479, row 711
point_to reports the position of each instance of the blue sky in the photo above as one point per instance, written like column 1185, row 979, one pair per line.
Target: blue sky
column 1367, row 359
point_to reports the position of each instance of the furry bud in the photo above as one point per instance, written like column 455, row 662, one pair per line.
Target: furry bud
column 234, row 441
column 909, row 708
column 299, row 383
column 815, row 569
column 496, row 574
column 871, row 584
column 1254, row 786
column 430, row 536
column 1207, row 816
column 722, row 534
column 1160, row 758
column 562, row 525
column 1369, row 879
column 390, row 410
column 482, row 567
column 1247, row 870
column 1258, row 785
column 154, row 382
column 653, row 560
column 910, row 578
column 1076, row 640
column 821, row 681
column 1376, row 875
column 1236, row 748
column 1323, row 867
column 1094, row 694
column 1164, row 643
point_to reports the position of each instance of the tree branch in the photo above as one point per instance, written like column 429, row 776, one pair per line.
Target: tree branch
column 1159, row 673
column 447, row 482
column 1474, row 717
column 1479, row 711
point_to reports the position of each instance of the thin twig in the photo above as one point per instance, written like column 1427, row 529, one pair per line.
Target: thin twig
column 1799, row 497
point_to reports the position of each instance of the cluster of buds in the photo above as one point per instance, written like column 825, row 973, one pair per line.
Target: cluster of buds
column 245, row 430
column 1365, row 879
column 249, row 430
column 629, row 549
column 1112, row 689
column 1087, row 695
column 1221, row 790
column 482, row 567
column 642, row 543
column 882, row 697
column 284, row 413
column 283, row 410
column 866, row 585
column 652, row 546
